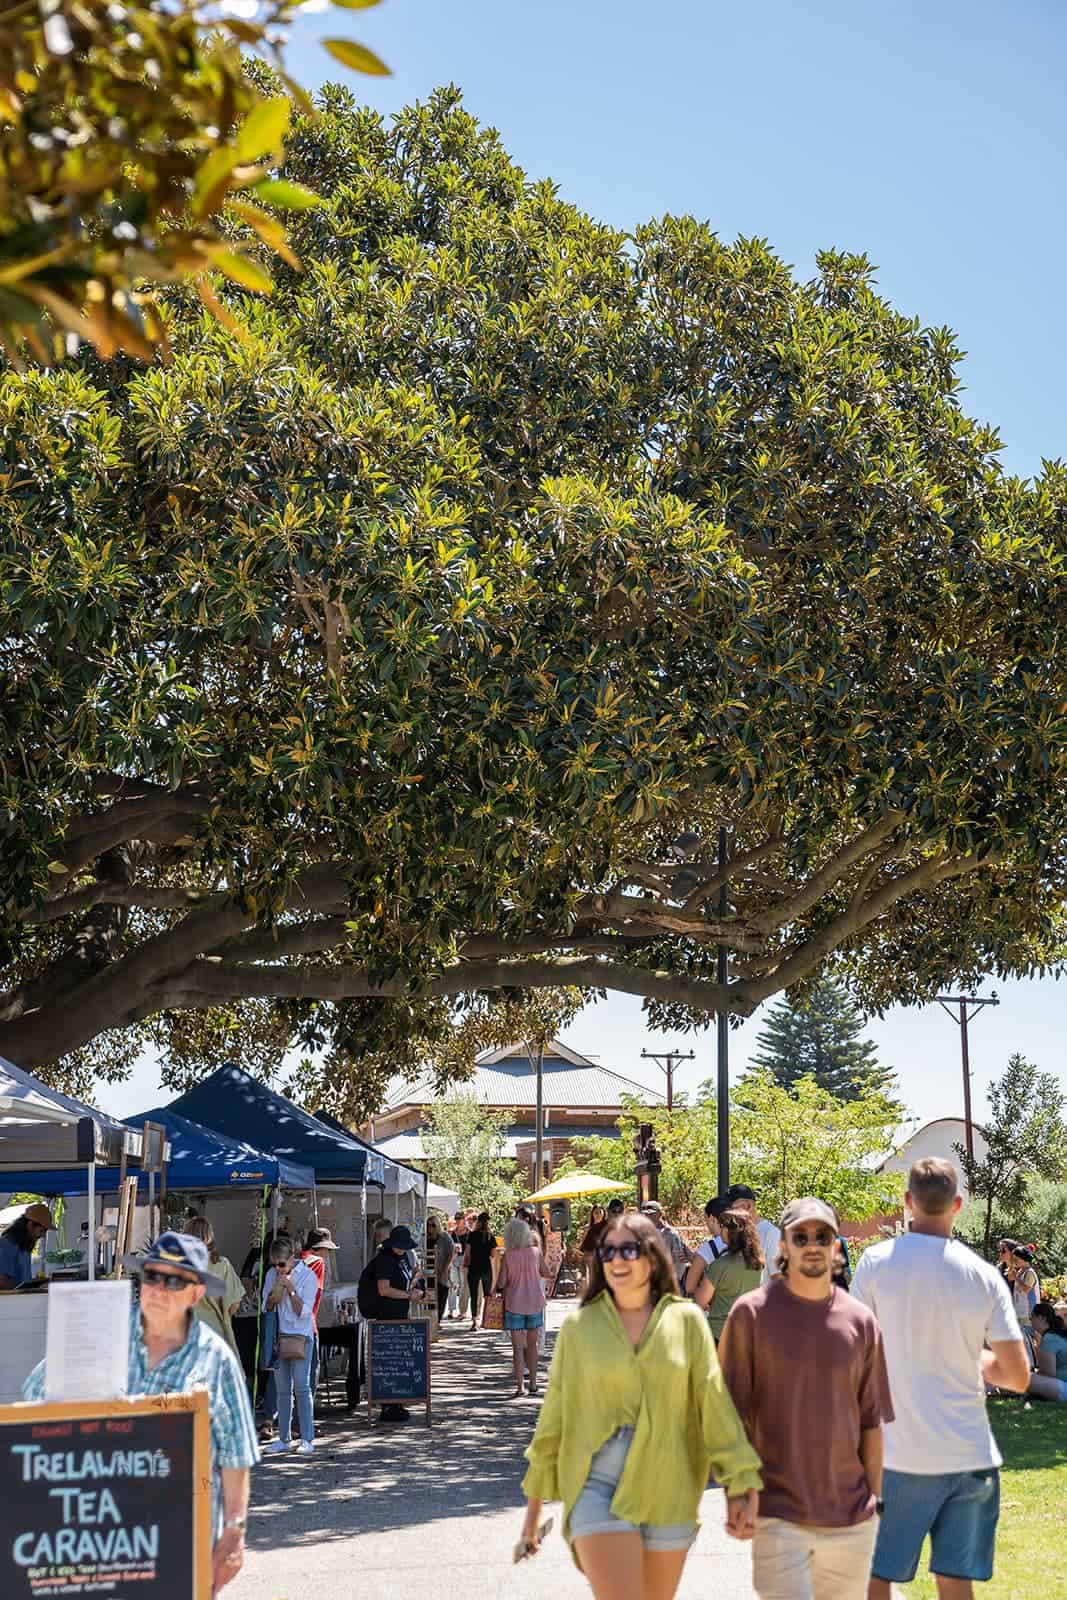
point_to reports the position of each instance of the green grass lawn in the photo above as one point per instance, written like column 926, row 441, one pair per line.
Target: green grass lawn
column 1031, row 1561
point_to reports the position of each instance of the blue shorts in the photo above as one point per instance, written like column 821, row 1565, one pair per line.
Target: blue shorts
column 959, row 1510
column 592, row 1510
column 516, row 1321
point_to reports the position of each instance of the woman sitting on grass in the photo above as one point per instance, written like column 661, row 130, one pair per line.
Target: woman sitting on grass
column 1049, row 1382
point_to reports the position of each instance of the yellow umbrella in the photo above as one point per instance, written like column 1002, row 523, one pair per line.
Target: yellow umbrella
column 572, row 1184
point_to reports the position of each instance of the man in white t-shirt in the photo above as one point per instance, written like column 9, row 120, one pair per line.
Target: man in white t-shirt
column 742, row 1198
column 938, row 1305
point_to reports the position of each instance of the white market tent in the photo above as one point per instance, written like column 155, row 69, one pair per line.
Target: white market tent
column 40, row 1127
column 445, row 1200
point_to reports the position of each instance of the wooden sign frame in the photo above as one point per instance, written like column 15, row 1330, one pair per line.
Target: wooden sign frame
column 394, row 1399
column 124, row 1231
column 146, row 1405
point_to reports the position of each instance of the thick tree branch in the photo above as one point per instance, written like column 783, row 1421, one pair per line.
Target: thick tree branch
column 208, row 983
column 113, row 894
column 804, row 959
column 820, row 883
column 636, row 912
column 160, row 818
column 748, row 858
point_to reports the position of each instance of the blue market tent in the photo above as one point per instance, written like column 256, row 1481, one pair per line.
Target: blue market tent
column 199, row 1159
column 405, row 1177
column 232, row 1102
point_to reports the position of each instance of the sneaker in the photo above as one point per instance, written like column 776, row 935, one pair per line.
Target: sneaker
column 307, row 1447
column 278, row 1448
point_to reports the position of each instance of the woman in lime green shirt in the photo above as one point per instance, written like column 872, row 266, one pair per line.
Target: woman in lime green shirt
column 635, row 1414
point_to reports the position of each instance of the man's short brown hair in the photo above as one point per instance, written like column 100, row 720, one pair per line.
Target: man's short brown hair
column 933, row 1185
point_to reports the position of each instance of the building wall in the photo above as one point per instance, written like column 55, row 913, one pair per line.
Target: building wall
column 553, row 1149
column 937, row 1139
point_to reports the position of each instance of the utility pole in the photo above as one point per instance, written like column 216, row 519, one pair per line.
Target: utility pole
column 722, row 1027
column 976, row 1003
column 668, row 1060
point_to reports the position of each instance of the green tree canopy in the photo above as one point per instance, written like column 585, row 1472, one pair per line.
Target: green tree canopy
column 1026, row 1138
column 464, row 1146
column 804, row 1140
column 818, row 1033
column 785, row 1142
column 411, row 654
column 1036, row 1216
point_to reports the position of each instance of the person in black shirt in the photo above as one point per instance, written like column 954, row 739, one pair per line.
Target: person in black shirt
column 395, row 1273
column 478, row 1263
column 395, row 1294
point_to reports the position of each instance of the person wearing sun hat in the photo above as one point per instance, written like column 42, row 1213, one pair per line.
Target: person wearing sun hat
column 19, row 1241
column 173, row 1352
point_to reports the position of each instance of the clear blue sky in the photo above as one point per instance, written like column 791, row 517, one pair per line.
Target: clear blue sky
column 930, row 136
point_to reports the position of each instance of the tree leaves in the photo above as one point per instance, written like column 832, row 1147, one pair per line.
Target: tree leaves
column 111, row 117
column 285, row 196
column 263, row 130
column 243, row 270
column 356, row 56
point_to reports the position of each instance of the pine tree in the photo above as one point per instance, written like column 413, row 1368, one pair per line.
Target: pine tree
column 821, row 1035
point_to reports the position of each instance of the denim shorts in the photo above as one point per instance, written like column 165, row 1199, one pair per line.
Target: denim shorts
column 592, row 1510
column 959, row 1510
column 516, row 1321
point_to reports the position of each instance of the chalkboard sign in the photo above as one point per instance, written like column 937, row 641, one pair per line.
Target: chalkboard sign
column 398, row 1364
column 107, row 1499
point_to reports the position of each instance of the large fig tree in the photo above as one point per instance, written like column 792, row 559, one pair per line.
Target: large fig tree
column 411, row 655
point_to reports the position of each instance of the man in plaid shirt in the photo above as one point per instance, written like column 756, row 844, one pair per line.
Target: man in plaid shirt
column 173, row 1352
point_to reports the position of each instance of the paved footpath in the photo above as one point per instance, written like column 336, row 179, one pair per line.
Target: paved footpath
column 406, row 1513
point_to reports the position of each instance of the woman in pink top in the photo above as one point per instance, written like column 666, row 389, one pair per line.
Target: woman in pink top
column 520, row 1282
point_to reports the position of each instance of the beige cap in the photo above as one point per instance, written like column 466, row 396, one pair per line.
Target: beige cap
column 809, row 1209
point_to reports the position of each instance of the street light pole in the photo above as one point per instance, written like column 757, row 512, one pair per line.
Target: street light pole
column 668, row 1060
column 722, row 1028
column 976, row 1003
column 539, row 1177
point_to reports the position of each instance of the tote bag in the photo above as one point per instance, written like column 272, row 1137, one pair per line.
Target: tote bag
column 493, row 1313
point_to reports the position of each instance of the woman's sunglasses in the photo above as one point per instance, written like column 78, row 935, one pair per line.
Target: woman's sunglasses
column 628, row 1252
column 167, row 1280
column 821, row 1237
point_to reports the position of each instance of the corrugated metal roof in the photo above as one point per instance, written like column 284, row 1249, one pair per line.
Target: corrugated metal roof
column 513, row 1082
column 409, row 1146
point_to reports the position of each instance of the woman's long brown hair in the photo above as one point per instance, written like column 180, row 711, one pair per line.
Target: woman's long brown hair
column 662, row 1280
column 201, row 1229
column 739, row 1231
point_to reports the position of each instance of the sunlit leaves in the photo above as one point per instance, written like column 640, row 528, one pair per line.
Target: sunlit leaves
column 124, row 131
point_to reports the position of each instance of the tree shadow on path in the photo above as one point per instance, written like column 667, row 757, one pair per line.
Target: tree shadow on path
column 364, row 1480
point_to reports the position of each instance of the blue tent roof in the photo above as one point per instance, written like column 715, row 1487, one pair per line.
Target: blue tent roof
column 200, row 1159
column 235, row 1103
column 195, row 1150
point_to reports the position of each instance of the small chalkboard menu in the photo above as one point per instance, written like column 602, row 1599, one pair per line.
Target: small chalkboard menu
column 398, row 1364
column 107, row 1498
